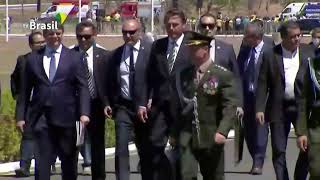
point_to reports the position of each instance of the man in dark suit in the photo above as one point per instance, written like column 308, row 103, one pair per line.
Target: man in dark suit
column 249, row 60
column 95, row 61
column 60, row 97
column 36, row 42
column 280, row 81
column 222, row 54
column 126, row 69
column 167, row 55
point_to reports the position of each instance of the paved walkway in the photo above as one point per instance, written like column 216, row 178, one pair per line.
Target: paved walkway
column 239, row 172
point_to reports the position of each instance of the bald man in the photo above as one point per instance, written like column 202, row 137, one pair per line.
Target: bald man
column 127, row 68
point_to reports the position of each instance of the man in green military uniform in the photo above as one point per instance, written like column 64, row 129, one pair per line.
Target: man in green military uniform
column 206, row 106
column 308, row 122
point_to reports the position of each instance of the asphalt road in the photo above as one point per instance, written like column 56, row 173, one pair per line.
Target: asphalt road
column 232, row 172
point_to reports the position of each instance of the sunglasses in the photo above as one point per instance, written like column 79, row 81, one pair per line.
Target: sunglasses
column 204, row 26
column 54, row 33
column 86, row 36
column 39, row 42
column 129, row 32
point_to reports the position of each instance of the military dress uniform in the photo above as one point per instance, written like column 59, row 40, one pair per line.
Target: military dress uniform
column 308, row 122
column 206, row 102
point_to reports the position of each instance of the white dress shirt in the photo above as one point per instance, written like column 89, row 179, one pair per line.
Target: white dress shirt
column 291, row 67
column 213, row 50
column 90, row 59
column 257, row 52
column 125, row 68
column 47, row 58
column 176, row 48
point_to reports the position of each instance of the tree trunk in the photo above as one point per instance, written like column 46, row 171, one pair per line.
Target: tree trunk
column 38, row 5
column 22, row 8
column 251, row 4
column 175, row 3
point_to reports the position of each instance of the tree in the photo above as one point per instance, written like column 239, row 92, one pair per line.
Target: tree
column 38, row 5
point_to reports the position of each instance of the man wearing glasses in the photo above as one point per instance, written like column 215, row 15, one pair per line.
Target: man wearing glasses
column 222, row 54
column 280, row 83
column 94, row 59
column 36, row 42
column 126, row 70
column 60, row 97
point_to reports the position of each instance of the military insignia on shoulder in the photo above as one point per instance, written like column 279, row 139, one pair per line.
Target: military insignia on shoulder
column 220, row 67
column 210, row 86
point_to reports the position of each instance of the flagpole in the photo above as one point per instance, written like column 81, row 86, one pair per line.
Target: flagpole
column 7, row 22
column 79, row 11
column 152, row 16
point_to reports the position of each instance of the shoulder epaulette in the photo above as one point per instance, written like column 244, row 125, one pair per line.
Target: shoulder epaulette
column 220, row 67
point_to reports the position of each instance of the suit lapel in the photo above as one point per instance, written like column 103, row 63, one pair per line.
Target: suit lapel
column 218, row 59
column 163, row 54
column 180, row 56
column 279, row 60
column 140, row 54
column 259, row 62
column 39, row 60
column 95, row 58
column 118, row 59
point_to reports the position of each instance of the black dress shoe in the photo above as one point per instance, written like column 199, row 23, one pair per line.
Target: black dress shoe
column 22, row 172
column 256, row 171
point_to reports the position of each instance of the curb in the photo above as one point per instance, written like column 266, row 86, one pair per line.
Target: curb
column 10, row 167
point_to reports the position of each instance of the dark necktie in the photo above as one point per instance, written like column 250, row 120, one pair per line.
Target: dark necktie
column 250, row 71
column 131, row 74
column 52, row 67
column 89, row 77
column 172, row 55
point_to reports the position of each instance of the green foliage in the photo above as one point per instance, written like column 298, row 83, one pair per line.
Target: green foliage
column 9, row 136
column 110, row 139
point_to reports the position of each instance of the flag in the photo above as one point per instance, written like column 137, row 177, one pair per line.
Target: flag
column 61, row 17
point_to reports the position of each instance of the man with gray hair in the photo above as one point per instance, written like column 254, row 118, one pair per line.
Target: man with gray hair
column 249, row 60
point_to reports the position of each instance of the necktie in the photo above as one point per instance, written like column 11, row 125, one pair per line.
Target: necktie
column 172, row 55
column 250, row 71
column 89, row 77
column 131, row 74
column 52, row 67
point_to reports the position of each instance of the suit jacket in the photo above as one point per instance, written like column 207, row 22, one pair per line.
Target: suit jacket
column 139, row 73
column 159, row 80
column 17, row 75
column 100, row 65
column 225, row 57
column 272, row 80
column 60, row 102
column 215, row 109
column 316, row 49
column 242, row 63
